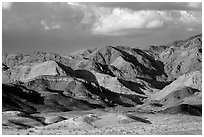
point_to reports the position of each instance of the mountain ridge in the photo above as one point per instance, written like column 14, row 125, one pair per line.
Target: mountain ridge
column 108, row 76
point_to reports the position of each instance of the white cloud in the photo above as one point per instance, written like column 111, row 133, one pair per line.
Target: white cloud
column 73, row 4
column 44, row 24
column 190, row 17
column 6, row 5
column 155, row 24
column 55, row 26
column 49, row 26
column 109, row 20
column 190, row 29
column 195, row 4
column 77, row 5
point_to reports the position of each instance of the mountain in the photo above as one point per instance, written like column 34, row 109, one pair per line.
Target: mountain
column 165, row 78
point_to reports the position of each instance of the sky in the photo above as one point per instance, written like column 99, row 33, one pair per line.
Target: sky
column 67, row 27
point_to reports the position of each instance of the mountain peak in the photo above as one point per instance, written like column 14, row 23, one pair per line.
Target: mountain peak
column 106, row 77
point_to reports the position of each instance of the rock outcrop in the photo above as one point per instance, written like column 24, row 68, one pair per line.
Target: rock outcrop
column 193, row 80
column 25, row 73
column 182, row 57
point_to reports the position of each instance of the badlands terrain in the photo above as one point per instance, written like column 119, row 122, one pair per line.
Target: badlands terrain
column 110, row 90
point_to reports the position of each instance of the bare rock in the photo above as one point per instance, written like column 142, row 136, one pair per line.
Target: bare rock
column 46, row 68
column 53, row 119
column 192, row 79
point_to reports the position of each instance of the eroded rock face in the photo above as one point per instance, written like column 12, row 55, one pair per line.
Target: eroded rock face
column 193, row 80
column 118, row 86
column 53, row 119
column 45, row 68
column 108, row 76
column 59, row 94
column 27, row 73
column 177, row 96
column 182, row 57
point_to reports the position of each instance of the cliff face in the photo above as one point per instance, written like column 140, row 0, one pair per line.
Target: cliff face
column 97, row 78
column 182, row 57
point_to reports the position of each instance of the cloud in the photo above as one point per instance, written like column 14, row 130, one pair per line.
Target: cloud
column 190, row 29
column 155, row 24
column 6, row 5
column 195, row 4
column 114, row 20
column 49, row 26
column 44, row 24
column 119, row 19
column 190, row 17
column 55, row 26
column 73, row 4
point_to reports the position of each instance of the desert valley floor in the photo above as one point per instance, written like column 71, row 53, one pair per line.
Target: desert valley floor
column 102, row 122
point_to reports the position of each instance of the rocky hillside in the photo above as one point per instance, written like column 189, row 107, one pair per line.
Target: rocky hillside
column 163, row 78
